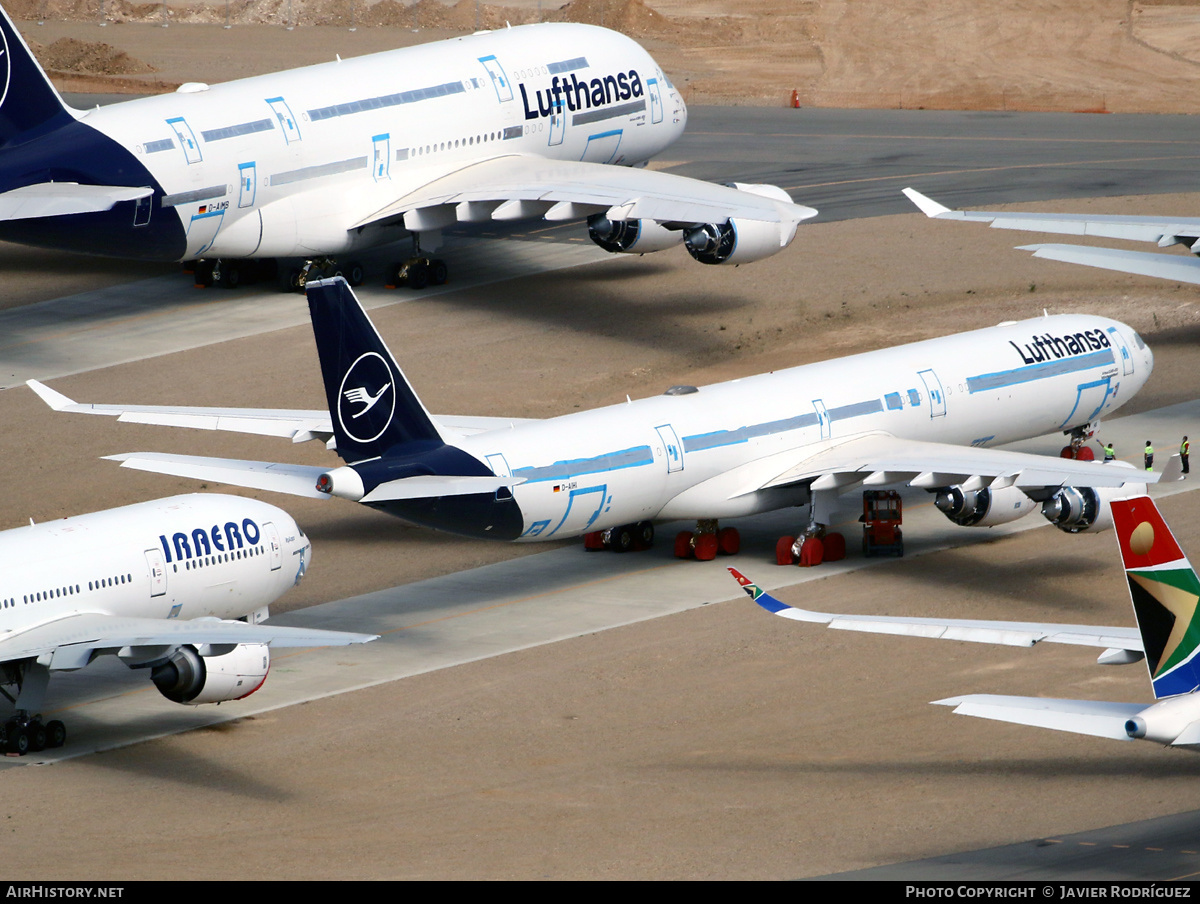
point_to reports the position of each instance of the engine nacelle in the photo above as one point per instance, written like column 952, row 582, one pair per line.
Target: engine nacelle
column 984, row 507
column 631, row 236
column 740, row 241
column 343, row 482
column 1166, row 720
column 188, row 676
column 1076, row 509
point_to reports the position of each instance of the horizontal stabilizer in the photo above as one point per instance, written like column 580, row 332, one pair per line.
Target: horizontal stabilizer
column 56, row 199
column 1089, row 717
column 435, row 485
column 1176, row 267
column 296, row 480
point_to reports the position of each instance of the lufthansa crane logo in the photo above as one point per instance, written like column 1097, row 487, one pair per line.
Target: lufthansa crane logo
column 5, row 67
column 367, row 398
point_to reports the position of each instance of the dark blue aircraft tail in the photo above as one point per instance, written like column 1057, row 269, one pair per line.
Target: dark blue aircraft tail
column 372, row 405
column 29, row 105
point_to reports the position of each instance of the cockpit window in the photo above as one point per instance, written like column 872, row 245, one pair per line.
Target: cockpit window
column 1138, row 339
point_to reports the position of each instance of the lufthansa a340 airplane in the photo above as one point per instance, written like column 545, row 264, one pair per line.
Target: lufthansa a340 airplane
column 328, row 160
column 923, row 414
column 176, row 586
column 1164, row 589
column 1165, row 231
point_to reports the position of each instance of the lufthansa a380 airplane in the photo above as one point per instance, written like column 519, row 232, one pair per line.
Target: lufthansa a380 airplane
column 176, row 586
column 1164, row 589
column 328, row 160
column 922, row 414
column 1164, row 231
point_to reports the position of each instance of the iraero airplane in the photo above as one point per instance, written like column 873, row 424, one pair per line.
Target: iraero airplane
column 177, row 587
column 545, row 121
column 1164, row 589
column 924, row 414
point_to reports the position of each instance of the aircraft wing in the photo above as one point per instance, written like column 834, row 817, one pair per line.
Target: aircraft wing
column 71, row 642
column 880, row 458
column 1012, row 634
column 1090, row 717
column 55, row 199
column 1163, row 230
column 296, row 480
column 296, row 425
column 1144, row 263
column 576, row 189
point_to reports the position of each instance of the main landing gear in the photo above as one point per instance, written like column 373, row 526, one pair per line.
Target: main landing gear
column 418, row 271
column 626, row 538
column 708, row 539
column 1078, row 448
column 322, row 268
column 229, row 274
column 814, row 546
column 24, row 731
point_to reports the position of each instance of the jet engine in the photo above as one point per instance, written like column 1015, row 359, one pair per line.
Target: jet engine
column 212, row 675
column 631, row 236
column 1076, row 509
column 984, row 507
column 1166, row 720
column 739, row 241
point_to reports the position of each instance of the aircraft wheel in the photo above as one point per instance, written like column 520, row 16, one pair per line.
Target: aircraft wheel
column 622, row 539
column 683, row 544
column 438, row 273
column 706, row 547
column 204, row 272
column 418, row 276
column 835, row 546
column 354, row 274
column 56, row 733
column 37, row 736
column 729, row 541
column 18, row 740
column 783, row 551
column 296, row 280
column 231, row 276
column 643, row 535
column 812, row 552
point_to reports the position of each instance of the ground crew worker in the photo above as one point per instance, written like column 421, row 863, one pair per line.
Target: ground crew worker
column 1109, row 453
column 1184, row 448
column 1148, row 455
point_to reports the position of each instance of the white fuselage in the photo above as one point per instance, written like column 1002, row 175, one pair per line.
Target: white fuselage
column 694, row 455
column 203, row 555
column 277, row 165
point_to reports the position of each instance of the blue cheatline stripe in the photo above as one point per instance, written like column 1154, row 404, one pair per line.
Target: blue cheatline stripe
column 857, row 409
column 984, row 382
column 610, row 461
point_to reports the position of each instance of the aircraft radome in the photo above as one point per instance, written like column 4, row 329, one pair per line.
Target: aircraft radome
column 1165, row 231
column 922, row 414
column 1164, row 589
column 545, row 121
column 178, row 587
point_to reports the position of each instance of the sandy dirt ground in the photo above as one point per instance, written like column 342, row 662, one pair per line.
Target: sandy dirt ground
column 1104, row 55
column 720, row 743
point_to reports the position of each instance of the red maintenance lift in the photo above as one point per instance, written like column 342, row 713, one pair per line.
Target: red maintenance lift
column 881, row 517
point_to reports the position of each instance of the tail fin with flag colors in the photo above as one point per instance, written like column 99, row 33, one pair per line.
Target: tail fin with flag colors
column 1164, row 589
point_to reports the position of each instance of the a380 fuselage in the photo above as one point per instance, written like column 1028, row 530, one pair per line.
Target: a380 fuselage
column 272, row 166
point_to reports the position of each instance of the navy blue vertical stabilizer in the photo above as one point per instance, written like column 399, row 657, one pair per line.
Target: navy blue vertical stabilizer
column 29, row 105
column 372, row 406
